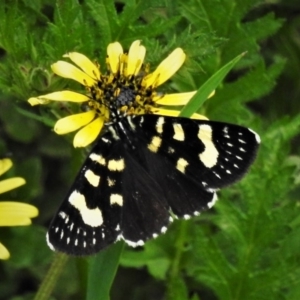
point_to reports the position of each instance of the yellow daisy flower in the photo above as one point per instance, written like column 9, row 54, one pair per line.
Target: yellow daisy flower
column 126, row 78
column 13, row 213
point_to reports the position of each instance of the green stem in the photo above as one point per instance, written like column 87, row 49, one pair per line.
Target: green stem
column 180, row 240
column 51, row 277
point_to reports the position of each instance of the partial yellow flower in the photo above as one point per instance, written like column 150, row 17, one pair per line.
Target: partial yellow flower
column 13, row 213
column 127, row 87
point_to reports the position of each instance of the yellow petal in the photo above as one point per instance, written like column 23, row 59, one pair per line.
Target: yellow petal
column 16, row 213
column 166, row 69
column 63, row 96
column 74, row 122
column 211, row 94
column 67, row 70
column 198, row 117
column 175, row 113
column 136, row 55
column 10, row 184
column 85, row 64
column 36, row 101
column 4, row 254
column 174, row 99
column 114, row 52
column 5, row 165
column 89, row 133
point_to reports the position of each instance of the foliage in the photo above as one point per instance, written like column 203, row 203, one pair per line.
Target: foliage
column 244, row 248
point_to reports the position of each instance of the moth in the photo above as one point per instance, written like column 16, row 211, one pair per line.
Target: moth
column 143, row 170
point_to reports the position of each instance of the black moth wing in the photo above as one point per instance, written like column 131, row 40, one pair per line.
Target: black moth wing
column 145, row 211
column 113, row 197
column 152, row 187
column 182, row 196
column 87, row 221
column 212, row 154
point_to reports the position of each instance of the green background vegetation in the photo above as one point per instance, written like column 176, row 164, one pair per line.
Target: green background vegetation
column 247, row 246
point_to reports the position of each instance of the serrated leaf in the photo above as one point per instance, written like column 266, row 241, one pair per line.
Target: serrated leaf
column 104, row 14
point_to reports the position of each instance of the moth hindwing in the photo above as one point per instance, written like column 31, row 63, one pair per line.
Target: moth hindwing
column 141, row 169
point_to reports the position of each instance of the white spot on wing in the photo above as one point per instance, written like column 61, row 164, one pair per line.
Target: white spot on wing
column 110, row 182
column 92, row 178
column 217, row 175
column 62, row 214
column 131, row 243
column 159, row 124
column 164, row 229
column 171, row 150
column 155, row 144
column 181, row 165
column 213, row 201
column 257, row 137
column 116, row 165
column 48, row 243
column 178, row 132
column 186, row 217
column 116, row 199
column 98, row 158
column 92, row 217
column 209, row 156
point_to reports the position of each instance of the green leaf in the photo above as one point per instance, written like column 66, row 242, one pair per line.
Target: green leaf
column 102, row 271
column 177, row 289
column 26, row 245
column 207, row 88
column 154, row 257
column 105, row 16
